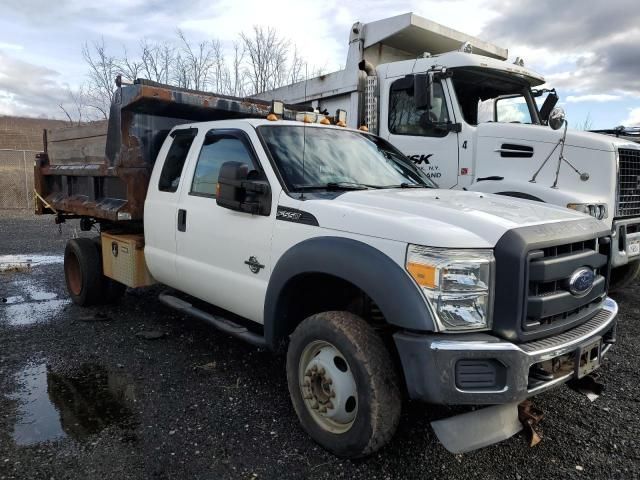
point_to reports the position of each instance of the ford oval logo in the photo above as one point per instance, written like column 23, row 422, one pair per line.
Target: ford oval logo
column 581, row 281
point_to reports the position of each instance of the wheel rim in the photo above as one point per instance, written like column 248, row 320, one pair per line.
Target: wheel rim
column 74, row 274
column 328, row 387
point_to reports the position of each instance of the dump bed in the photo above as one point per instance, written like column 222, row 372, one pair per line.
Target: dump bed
column 102, row 169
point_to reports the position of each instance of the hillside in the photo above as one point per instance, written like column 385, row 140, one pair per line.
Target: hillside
column 21, row 133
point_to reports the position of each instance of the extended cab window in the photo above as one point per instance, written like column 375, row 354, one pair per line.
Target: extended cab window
column 172, row 168
column 406, row 119
column 217, row 149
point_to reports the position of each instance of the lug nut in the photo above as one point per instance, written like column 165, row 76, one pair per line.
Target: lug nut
column 315, row 405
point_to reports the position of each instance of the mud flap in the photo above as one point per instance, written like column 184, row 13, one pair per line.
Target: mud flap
column 470, row 431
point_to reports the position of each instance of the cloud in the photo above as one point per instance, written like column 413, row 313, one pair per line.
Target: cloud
column 596, row 42
column 28, row 89
column 633, row 120
column 594, row 97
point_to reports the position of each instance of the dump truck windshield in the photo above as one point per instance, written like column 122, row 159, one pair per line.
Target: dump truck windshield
column 491, row 96
column 329, row 158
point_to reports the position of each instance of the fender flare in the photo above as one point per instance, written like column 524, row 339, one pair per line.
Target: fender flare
column 383, row 280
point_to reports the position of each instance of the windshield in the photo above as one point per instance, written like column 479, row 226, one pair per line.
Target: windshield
column 492, row 96
column 330, row 158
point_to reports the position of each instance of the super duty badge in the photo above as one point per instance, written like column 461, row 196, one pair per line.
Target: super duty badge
column 297, row 216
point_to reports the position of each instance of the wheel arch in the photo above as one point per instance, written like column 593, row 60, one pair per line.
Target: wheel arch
column 333, row 264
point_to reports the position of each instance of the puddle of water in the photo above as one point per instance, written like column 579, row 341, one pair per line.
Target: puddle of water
column 14, row 299
column 29, row 313
column 32, row 305
column 53, row 406
column 10, row 263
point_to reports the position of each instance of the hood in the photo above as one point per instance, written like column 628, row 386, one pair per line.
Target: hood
column 543, row 134
column 438, row 218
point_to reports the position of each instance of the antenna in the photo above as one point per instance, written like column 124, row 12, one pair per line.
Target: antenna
column 304, row 126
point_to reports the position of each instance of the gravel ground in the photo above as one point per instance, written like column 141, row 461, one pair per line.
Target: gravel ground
column 84, row 395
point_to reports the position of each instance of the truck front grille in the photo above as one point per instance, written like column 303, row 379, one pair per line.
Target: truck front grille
column 628, row 183
column 550, row 304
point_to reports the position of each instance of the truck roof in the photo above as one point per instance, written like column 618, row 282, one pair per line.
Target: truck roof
column 415, row 35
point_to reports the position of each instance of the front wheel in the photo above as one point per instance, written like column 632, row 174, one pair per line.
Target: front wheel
column 343, row 384
column 624, row 275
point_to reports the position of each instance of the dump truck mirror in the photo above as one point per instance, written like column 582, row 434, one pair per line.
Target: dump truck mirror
column 241, row 190
column 423, row 90
column 548, row 105
column 557, row 118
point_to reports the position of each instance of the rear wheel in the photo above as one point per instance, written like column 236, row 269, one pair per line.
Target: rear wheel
column 83, row 274
column 343, row 384
column 624, row 276
column 83, row 271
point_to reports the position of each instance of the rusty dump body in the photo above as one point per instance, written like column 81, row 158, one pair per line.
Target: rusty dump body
column 101, row 170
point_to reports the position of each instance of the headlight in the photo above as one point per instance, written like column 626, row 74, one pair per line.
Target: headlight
column 458, row 283
column 597, row 210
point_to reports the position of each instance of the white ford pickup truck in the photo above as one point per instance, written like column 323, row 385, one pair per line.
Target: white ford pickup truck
column 329, row 244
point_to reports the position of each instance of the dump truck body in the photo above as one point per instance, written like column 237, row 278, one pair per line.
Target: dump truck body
column 101, row 170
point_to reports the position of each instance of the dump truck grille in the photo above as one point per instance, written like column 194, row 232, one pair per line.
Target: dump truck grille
column 550, row 303
column 628, row 183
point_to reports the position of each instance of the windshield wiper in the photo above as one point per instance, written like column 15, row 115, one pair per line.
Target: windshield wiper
column 336, row 186
column 407, row 185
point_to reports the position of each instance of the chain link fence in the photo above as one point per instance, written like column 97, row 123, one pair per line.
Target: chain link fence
column 16, row 179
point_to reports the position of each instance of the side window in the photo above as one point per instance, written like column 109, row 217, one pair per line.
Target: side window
column 513, row 109
column 216, row 150
column 406, row 119
column 173, row 164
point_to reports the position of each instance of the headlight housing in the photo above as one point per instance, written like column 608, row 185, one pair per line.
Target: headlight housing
column 597, row 210
column 458, row 283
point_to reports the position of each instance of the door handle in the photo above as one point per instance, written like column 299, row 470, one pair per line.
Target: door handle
column 182, row 220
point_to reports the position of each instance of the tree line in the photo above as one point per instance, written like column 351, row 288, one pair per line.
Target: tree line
column 259, row 60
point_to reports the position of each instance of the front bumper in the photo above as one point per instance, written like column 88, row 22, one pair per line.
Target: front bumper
column 624, row 232
column 432, row 363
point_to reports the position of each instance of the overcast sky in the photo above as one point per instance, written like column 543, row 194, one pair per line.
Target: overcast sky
column 587, row 49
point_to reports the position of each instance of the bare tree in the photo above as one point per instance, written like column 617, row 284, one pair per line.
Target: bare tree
column 260, row 60
column 587, row 123
column 198, row 61
column 103, row 69
column 129, row 67
column 266, row 58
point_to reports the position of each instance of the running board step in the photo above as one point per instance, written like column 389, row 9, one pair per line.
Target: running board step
column 222, row 324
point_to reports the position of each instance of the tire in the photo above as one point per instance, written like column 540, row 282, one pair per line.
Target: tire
column 331, row 354
column 83, row 271
column 622, row 277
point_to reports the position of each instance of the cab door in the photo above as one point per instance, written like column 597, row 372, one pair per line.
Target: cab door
column 161, row 204
column 433, row 149
column 223, row 256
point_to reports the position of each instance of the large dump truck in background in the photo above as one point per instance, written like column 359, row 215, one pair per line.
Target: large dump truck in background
column 483, row 125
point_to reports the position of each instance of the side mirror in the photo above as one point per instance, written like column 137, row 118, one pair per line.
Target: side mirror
column 557, row 118
column 423, row 90
column 548, row 105
column 237, row 191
